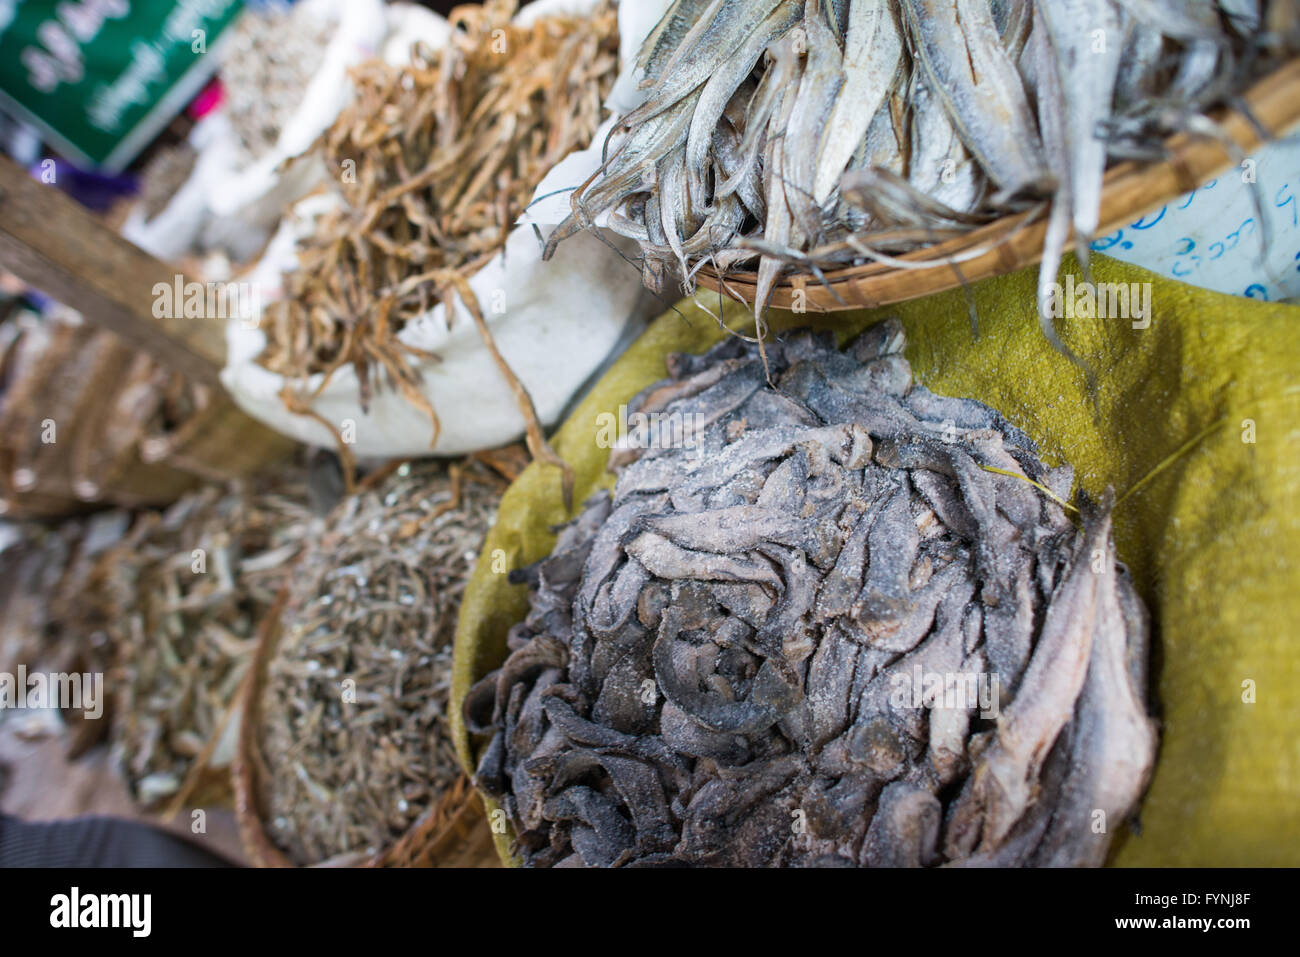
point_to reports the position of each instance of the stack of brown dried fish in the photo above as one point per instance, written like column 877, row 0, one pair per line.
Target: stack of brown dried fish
column 186, row 590
column 272, row 55
column 820, row 134
column 77, row 407
column 435, row 162
column 847, row 622
column 353, row 716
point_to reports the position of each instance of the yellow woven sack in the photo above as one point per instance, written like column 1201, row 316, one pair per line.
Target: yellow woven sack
column 1196, row 426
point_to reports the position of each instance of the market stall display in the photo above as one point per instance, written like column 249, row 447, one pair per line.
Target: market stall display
column 1000, row 577
column 283, row 80
column 412, row 289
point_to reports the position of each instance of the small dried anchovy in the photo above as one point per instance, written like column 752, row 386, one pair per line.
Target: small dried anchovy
column 354, row 712
column 164, row 176
column 842, row 627
column 273, row 55
column 186, row 590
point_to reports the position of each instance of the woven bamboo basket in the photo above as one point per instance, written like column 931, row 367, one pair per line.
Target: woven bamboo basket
column 452, row 833
column 1131, row 190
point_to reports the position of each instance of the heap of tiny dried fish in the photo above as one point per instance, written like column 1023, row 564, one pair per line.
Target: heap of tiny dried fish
column 353, row 715
column 186, row 590
column 271, row 57
column 841, row 625
column 434, row 163
column 785, row 135
column 164, row 176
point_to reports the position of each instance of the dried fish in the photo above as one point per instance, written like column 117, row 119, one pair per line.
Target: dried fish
column 184, row 593
column 124, row 405
column 820, row 643
column 353, row 716
column 272, row 55
column 434, row 162
column 872, row 127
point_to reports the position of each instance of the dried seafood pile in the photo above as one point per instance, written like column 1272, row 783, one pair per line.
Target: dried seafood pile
column 272, row 56
column 185, row 591
column 53, row 614
column 435, row 161
column 32, row 566
column 164, row 176
column 353, row 716
column 787, row 135
column 78, row 406
column 848, row 622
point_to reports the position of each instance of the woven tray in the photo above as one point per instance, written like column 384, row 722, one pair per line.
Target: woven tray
column 1130, row 191
column 452, row 833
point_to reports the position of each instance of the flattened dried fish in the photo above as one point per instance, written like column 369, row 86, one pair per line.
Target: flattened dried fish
column 792, row 629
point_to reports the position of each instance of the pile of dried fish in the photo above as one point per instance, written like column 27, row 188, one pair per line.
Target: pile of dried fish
column 353, row 715
column 434, row 163
column 58, row 372
column 272, row 55
column 166, row 173
column 804, row 136
column 53, row 612
column 186, row 590
column 848, row 622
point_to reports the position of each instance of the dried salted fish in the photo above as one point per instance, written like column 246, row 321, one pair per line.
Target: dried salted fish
column 849, row 632
column 433, row 163
column 184, row 594
column 868, row 128
column 59, row 369
column 353, row 716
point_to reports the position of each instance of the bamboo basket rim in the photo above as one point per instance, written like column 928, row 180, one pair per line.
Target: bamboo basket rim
column 458, row 812
column 1130, row 190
